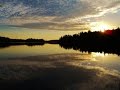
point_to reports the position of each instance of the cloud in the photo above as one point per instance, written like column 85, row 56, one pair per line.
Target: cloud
column 51, row 12
column 24, row 20
column 55, row 26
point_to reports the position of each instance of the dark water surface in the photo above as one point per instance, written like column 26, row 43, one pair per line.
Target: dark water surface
column 51, row 67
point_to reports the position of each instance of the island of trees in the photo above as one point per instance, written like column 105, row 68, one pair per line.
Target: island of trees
column 5, row 42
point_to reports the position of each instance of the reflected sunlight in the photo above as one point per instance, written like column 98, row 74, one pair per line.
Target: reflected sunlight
column 95, row 54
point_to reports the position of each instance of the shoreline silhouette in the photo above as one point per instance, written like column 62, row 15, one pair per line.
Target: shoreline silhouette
column 107, row 41
column 97, row 41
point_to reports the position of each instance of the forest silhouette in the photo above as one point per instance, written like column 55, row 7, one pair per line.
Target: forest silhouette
column 97, row 41
column 107, row 41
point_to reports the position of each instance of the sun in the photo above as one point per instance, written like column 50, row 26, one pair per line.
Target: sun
column 102, row 27
column 99, row 26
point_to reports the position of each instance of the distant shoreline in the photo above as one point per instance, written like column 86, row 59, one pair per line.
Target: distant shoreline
column 107, row 42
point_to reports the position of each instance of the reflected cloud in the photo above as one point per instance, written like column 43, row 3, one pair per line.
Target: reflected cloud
column 57, row 71
column 50, row 71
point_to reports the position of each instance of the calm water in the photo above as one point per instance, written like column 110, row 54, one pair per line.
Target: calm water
column 50, row 66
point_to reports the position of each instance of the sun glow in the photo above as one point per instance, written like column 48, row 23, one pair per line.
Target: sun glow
column 99, row 26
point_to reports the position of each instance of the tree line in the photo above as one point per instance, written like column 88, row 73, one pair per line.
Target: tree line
column 5, row 42
column 97, row 41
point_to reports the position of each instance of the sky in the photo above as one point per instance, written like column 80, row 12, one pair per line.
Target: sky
column 51, row 19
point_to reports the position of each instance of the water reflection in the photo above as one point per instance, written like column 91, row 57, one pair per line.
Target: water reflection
column 92, row 48
column 57, row 72
column 52, row 67
column 24, row 51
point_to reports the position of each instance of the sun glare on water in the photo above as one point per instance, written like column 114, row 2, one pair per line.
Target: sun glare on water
column 99, row 26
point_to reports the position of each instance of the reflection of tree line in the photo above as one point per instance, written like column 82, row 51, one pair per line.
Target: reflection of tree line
column 107, row 42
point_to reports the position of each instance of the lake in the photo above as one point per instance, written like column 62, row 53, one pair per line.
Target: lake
column 52, row 67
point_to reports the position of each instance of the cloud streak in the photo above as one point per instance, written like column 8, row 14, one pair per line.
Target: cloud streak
column 56, row 26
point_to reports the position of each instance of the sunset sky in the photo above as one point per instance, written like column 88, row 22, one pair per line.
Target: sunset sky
column 50, row 19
